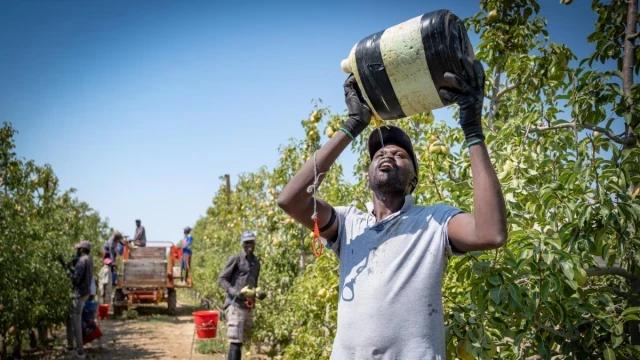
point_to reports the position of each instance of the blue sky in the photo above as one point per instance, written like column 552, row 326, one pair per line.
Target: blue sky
column 143, row 105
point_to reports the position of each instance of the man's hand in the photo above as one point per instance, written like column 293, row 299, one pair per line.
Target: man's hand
column 260, row 294
column 359, row 112
column 469, row 96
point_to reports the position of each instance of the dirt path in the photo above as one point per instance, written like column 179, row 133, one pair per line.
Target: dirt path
column 153, row 335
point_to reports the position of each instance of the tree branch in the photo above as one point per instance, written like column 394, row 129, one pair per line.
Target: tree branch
column 507, row 89
column 623, row 140
column 612, row 270
column 556, row 332
column 538, row 357
column 628, row 62
column 493, row 104
column 540, row 129
column 626, row 140
column 618, row 292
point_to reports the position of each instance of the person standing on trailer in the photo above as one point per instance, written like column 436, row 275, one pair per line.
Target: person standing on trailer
column 185, row 261
column 140, row 237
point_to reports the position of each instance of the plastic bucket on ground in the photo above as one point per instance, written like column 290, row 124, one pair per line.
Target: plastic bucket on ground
column 206, row 323
column 103, row 309
column 95, row 334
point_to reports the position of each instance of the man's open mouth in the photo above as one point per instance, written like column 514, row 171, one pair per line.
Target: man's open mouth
column 386, row 165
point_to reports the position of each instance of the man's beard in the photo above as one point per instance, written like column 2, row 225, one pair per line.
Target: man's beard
column 390, row 183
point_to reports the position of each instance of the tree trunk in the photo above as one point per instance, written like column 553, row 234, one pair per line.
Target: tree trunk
column 628, row 63
column 33, row 340
column 42, row 334
column 302, row 262
column 17, row 347
column 3, row 347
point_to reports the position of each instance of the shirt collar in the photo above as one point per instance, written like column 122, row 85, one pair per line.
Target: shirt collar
column 408, row 203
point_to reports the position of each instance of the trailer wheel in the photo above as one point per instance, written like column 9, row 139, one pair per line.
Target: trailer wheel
column 172, row 301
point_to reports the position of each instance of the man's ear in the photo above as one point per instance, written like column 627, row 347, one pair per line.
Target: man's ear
column 413, row 183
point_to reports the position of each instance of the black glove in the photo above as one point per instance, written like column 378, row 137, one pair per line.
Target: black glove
column 359, row 112
column 468, row 95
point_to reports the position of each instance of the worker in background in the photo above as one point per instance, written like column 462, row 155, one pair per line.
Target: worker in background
column 110, row 248
column 185, row 262
column 239, row 278
column 140, row 237
column 81, row 278
column 105, row 282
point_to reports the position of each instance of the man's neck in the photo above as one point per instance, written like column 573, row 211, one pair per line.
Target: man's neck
column 386, row 204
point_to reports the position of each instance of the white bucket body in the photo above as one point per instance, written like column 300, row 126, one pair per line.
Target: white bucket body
column 400, row 70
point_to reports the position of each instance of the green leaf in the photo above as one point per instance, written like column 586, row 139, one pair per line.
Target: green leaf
column 617, row 340
column 631, row 318
column 631, row 310
column 609, row 354
column 618, row 329
column 494, row 294
column 567, row 269
column 495, row 280
column 515, row 294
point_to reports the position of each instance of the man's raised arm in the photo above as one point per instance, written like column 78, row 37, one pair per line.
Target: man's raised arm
column 295, row 200
column 486, row 228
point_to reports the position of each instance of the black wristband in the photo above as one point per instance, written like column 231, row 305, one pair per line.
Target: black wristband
column 331, row 221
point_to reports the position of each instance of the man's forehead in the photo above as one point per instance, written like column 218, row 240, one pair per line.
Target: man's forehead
column 391, row 147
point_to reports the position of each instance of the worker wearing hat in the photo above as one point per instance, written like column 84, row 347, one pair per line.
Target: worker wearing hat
column 105, row 281
column 81, row 278
column 185, row 262
column 239, row 278
column 110, row 248
column 398, row 250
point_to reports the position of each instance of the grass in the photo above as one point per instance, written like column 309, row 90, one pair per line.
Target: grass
column 211, row 346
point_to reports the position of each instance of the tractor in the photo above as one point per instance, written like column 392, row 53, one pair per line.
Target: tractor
column 146, row 275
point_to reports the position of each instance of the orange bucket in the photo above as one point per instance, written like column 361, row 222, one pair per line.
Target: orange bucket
column 206, row 323
column 103, row 309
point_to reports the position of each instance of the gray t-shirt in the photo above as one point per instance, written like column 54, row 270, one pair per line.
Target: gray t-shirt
column 390, row 304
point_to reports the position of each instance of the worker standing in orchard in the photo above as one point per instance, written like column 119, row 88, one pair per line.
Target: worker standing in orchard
column 398, row 251
column 105, row 281
column 239, row 278
column 81, row 278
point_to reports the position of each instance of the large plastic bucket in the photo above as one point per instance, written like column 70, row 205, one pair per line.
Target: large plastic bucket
column 103, row 310
column 89, row 310
column 206, row 323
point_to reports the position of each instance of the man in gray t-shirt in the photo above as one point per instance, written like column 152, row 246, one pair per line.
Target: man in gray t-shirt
column 393, row 257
